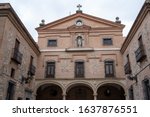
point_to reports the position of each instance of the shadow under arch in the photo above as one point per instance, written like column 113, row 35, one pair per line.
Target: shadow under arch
column 79, row 91
column 110, row 91
column 49, row 91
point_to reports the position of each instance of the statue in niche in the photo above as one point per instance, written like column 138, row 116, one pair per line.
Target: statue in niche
column 79, row 41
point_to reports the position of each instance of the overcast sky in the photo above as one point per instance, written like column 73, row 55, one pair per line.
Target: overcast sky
column 31, row 12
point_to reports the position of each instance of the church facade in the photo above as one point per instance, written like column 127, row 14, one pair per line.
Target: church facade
column 78, row 57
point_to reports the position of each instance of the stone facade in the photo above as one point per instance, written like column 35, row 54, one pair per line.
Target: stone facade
column 15, row 62
column 140, row 69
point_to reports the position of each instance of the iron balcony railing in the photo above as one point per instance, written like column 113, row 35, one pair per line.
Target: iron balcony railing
column 17, row 56
column 127, row 68
column 140, row 54
column 32, row 70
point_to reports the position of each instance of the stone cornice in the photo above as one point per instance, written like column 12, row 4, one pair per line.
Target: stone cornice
column 80, row 49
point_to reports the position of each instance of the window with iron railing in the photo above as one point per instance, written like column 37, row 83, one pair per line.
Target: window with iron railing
column 109, row 69
column 140, row 52
column 16, row 54
column 32, row 68
column 127, row 67
column 79, row 69
column 50, row 70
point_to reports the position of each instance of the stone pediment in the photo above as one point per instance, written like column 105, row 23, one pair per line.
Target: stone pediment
column 88, row 23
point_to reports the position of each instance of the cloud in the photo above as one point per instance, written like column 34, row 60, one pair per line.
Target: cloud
column 31, row 12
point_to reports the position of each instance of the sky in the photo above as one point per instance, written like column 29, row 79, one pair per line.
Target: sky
column 31, row 12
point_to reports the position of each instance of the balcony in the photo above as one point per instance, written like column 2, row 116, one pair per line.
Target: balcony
column 32, row 69
column 140, row 54
column 17, row 56
column 127, row 68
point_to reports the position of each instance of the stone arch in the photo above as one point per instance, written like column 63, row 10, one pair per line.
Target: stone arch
column 77, row 83
column 48, row 82
column 49, row 91
column 113, row 82
column 111, row 91
column 79, row 91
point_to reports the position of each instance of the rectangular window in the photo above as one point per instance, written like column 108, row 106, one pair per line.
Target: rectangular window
column 140, row 41
column 10, row 91
column 52, row 43
column 50, row 70
column 146, row 89
column 127, row 66
column 131, row 93
column 16, row 55
column 12, row 73
column 31, row 60
column 31, row 67
column 17, row 44
column 107, row 41
column 79, row 69
column 140, row 52
column 109, row 68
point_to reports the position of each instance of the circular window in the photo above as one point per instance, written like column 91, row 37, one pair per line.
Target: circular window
column 79, row 23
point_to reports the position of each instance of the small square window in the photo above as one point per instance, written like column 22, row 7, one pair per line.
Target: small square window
column 107, row 41
column 52, row 43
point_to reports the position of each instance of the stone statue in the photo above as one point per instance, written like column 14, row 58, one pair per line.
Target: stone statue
column 79, row 41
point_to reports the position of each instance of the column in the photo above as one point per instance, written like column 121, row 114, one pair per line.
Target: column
column 64, row 95
column 95, row 96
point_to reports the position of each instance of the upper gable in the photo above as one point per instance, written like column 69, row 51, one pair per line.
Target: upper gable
column 90, row 21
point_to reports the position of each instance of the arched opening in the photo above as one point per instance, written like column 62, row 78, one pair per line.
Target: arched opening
column 49, row 92
column 79, row 92
column 110, row 92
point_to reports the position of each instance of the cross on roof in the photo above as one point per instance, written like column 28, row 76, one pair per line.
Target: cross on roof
column 79, row 6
